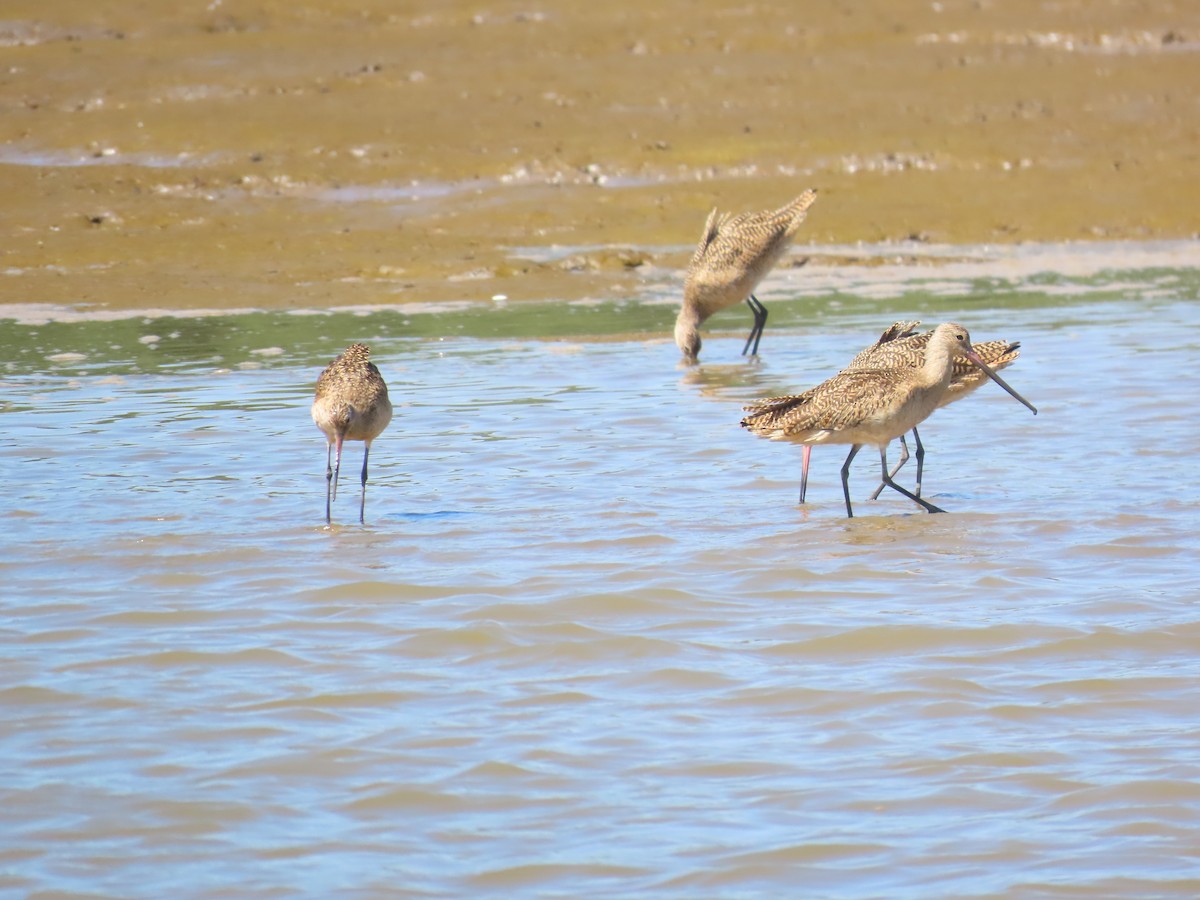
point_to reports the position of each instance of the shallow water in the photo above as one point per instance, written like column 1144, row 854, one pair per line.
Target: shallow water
column 587, row 643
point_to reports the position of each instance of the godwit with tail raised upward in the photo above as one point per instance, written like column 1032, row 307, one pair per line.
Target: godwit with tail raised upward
column 900, row 345
column 733, row 256
column 351, row 405
column 871, row 406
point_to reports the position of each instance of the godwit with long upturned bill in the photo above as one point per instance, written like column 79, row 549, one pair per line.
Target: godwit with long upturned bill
column 901, row 345
column 871, row 406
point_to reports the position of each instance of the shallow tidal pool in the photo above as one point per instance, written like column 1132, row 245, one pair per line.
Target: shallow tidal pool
column 588, row 643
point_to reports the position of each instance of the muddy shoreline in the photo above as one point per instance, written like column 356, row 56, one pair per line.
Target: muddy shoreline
column 272, row 156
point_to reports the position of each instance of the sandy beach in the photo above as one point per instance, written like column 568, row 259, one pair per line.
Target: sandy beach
column 262, row 154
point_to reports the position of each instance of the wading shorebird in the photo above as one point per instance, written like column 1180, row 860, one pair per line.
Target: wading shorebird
column 872, row 406
column 351, row 405
column 901, row 345
column 733, row 256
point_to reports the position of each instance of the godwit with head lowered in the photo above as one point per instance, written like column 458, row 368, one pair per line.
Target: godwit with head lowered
column 351, row 405
column 871, row 406
column 900, row 345
column 733, row 256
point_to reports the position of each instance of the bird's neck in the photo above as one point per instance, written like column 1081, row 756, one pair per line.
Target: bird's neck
column 687, row 331
column 939, row 365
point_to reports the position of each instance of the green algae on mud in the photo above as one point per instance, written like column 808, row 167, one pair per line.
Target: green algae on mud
column 854, row 295
column 332, row 154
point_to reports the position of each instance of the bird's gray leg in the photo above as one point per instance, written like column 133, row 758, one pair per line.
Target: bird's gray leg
column 846, row 478
column 920, row 461
column 337, row 464
column 362, row 506
column 756, row 330
column 887, row 479
column 805, row 455
column 328, row 477
column 899, row 466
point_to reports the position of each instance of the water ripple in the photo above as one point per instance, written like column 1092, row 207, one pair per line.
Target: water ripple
column 588, row 643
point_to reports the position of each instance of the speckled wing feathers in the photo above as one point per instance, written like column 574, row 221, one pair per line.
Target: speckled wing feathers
column 841, row 402
column 711, row 228
column 888, row 341
column 900, row 345
column 351, row 397
column 738, row 250
column 869, row 383
column 968, row 376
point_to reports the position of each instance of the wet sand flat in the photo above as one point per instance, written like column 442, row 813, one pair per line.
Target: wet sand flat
column 263, row 154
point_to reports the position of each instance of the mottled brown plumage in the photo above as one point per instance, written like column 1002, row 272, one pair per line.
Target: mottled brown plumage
column 871, row 405
column 351, row 404
column 733, row 256
column 901, row 345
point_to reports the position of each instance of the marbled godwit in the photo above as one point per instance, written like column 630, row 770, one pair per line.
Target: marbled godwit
column 351, row 405
column 871, row 406
column 900, row 345
column 733, row 256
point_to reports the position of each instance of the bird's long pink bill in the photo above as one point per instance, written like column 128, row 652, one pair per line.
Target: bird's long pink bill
column 973, row 357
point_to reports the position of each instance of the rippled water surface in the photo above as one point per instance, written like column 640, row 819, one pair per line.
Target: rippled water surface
column 587, row 643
